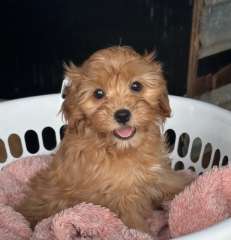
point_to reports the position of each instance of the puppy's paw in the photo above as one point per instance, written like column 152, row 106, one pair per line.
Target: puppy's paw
column 135, row 221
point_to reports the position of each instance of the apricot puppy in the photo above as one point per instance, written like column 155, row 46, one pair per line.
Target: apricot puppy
column 113, row 153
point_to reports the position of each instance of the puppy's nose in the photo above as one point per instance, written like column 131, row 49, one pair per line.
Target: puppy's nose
column 122, row 116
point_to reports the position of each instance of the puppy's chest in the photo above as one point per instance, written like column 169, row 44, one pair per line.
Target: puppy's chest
column 125, row 170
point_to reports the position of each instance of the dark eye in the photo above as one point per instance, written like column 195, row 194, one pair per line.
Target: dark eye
column 99, row 93
column 136, row 86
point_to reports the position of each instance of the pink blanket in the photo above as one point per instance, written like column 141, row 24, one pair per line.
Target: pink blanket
column 88, row 221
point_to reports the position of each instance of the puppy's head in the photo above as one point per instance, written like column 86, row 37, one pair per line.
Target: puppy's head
column 118, row 95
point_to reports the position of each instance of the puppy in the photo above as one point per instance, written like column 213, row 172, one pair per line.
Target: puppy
column 113, row 153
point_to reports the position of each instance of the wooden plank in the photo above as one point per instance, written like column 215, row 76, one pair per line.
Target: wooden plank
column 215, row 27
column 194, row 48
column 214, row 2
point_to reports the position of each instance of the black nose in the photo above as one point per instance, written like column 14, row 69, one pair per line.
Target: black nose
column 122, row 115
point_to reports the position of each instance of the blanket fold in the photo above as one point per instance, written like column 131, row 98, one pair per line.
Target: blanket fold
column 205, row 202
column 85, row 221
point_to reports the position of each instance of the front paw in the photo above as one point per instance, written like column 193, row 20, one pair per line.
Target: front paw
column 135, row 221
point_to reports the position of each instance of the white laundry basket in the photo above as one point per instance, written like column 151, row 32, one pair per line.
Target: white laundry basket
column 199, row 136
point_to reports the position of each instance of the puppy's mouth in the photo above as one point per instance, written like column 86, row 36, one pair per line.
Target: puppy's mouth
column 124, row 133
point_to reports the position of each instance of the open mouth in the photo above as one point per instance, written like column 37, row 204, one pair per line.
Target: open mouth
column 124, row 133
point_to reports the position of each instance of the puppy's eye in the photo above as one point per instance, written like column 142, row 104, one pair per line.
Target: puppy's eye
column 136, row 86
column 99, row 93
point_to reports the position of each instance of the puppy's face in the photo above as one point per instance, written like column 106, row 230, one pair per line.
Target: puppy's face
column 117, row 94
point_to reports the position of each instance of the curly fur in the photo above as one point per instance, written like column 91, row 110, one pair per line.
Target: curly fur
column 130, row 177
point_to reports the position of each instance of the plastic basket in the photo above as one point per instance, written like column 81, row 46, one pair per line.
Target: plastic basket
column 199, row 135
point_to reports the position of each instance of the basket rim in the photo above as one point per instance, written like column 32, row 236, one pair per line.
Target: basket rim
column 199, row 103
column 171, row 98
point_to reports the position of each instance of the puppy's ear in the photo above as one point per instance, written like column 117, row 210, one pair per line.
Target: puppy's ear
column 70, row 109
column 150, row 57
column 165, row 110
column 164, row 107
column 73, row 72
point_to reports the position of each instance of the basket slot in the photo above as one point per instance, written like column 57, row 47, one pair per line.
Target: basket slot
column 207, row 154
column 179, row 165
column 225, row 161
column 183, row 145
column 49, row 138
column 62, row 131
column 216, row 158
column 3, row 153
column 15, row 145
column 170, row 136
column 183, row 150
column 196, row 150
column 192, row 169
column 32, row 141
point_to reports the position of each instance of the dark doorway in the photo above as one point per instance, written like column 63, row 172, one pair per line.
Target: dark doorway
column 38, row 36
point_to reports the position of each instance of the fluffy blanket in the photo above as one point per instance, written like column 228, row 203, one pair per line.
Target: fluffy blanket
column 206, row 202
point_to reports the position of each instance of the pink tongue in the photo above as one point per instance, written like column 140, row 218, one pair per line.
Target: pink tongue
column 124, row 132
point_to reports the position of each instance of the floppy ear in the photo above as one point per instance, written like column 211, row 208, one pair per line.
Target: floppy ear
column 165, row 110
column 163, row 101
column 69, row 109
column 149, row 57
